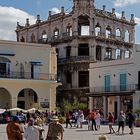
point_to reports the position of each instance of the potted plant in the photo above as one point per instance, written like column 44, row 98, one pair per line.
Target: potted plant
column 137, row 112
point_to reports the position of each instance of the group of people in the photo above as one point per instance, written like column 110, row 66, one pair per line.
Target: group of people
column 34, row 131
column 123, row 118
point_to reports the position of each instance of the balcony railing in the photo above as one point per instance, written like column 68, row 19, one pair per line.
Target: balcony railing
column 114, row 88
column 29, row 75
column 75, row 58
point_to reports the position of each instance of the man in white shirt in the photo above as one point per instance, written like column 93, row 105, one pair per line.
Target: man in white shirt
column 32, row 132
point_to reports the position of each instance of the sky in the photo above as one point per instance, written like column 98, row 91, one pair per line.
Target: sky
column 13, row 11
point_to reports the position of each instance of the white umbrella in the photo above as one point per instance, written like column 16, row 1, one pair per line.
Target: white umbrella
column 14, row 109
column 32, row 110
column 2, row 111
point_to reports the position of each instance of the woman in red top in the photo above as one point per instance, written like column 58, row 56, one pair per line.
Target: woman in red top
column 111, row 122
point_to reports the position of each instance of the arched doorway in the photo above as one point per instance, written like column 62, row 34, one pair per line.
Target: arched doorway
column 5, row 98
column 27, row 98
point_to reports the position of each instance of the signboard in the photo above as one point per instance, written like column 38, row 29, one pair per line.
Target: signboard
column 44, row 104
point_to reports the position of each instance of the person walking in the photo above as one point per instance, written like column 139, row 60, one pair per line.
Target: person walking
column 121, row 121
column 55, row 130
column 110, row 122
column 14, row 131
column 68, row 117
column 98, row 119
column 131, row 121
column 93, row 117
column 33, row 132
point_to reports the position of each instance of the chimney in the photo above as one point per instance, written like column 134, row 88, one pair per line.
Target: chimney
column 113, row 11
column 104, row 7
column 27, row 22
column 38, row 19
column 50, row 13
column 132, row 18
column 123, row 15
column 62, row 9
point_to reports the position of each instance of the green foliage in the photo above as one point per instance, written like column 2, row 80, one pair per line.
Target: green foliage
column 69, row 106
column 137, row 111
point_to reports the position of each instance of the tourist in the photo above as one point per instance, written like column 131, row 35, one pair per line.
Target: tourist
column 55, row 130
column 121, row 121
column 33, row 132
column 93, row 117
column 14, row 131
column 68, row 117
column 110, row 122
column 131, row 121
column 98, row 119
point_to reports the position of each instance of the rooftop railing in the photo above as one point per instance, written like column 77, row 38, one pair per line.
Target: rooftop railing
column 28, row 75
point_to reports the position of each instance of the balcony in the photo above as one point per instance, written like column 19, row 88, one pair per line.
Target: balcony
column 43, row 41
column 29, row 75
column 113, row 90
column 75, row 59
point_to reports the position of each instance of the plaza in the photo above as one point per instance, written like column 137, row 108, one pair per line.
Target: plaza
column 84, row 134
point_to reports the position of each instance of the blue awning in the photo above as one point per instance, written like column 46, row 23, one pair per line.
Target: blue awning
column 7, row 54
column 35, row 63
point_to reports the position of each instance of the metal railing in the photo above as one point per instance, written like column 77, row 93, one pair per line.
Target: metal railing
column 75, row 58
column 28, row 75
column 115, row 88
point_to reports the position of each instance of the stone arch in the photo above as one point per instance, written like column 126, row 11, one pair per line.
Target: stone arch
column 27, row 98
column 83, row 25
column 5, row 98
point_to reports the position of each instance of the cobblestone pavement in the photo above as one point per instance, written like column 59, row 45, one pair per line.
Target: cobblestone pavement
column 84, row 134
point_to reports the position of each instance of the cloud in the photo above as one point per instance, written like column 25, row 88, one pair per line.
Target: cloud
column 55, row 10
column 122, row 3
column 9, row 16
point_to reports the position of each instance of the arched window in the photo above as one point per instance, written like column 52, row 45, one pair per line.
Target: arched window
column 127, row 36
column 22, row 39
column 108, row 54
column 127, row 54
column 118, row 54
column 44, row 37
column 98, row 30
column 118, row 34
column 56, row 33
column 69, row 31
column 108, row 32
column 32, row 38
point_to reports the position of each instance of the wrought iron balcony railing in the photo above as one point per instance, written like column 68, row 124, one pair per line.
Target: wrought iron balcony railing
column 75, row 58
column 29, row 75
column 114, row 88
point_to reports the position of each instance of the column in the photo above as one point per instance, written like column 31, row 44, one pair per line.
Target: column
column 75, row 79
column 92, row 52
column 75, row 26
column 90, row 103
column 113, row 53
column 102, row 53
column 91, row 26
column 13, row 101
column 118, row 104
column 105, row 106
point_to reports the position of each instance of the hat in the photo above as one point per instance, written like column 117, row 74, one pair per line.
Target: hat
column 54, row 118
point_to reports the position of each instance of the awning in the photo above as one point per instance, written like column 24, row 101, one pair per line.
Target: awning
column 7, row 54
column 35, row 63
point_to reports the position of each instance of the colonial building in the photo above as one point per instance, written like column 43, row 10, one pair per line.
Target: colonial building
column 115, row 85
column 27, row 75
column 84, row 35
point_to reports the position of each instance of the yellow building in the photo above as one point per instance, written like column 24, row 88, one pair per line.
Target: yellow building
column 27, row 75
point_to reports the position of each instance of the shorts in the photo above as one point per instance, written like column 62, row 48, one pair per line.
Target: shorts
column 121, row 123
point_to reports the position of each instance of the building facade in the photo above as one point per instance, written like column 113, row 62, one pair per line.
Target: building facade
column 115, row 85
column 27, row 75
column 84, row 35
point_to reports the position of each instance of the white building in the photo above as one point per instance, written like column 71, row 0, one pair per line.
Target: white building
column 114, row 85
